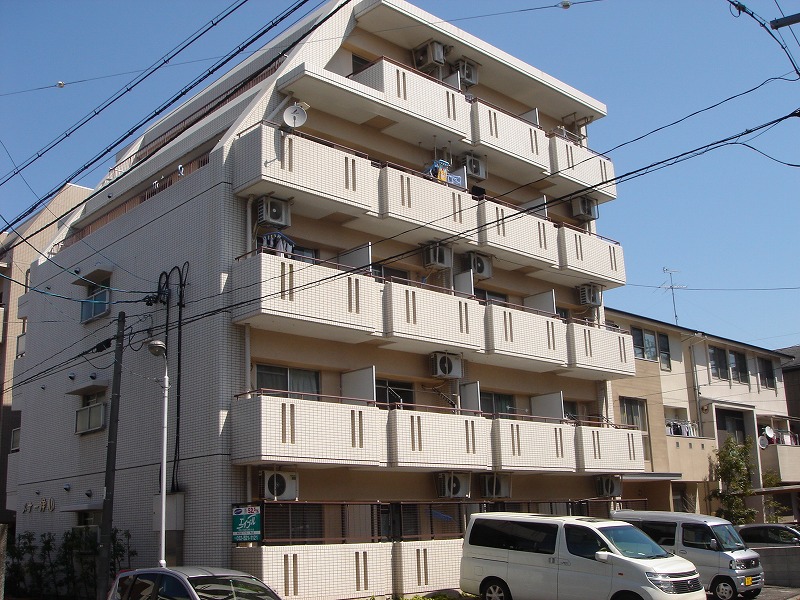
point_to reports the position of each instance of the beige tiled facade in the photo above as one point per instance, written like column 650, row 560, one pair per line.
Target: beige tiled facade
column 421, row 349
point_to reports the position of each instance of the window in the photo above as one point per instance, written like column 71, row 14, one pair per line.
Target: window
column 634, row 413
column 97, row 301
column 583, row 542
column 766, row 374
column 171, row 588
column 91, row 415
column 15, row 440
column 296, row 382
column 718, row 362
column 394, row 392
column 306, row 255
column 664, row 355
column 389, row 274
column 539, row 538
column 644, row 344
column 662, row 533
column 739, row 367
column 497, row 404
column 87, row 533
column 489, row 297
column 697, row 536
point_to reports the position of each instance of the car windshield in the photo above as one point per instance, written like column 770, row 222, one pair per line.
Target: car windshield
column 727, row 537
column 230, row 588
column 633, row 542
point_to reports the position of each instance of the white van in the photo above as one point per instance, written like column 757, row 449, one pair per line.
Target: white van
column 523, row 556
column 726, row 566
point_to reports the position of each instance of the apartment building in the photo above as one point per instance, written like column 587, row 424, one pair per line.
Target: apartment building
column 372, row 252
column 31, row 242
column 692, row 390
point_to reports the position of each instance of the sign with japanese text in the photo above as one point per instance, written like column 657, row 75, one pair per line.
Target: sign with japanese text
column 247, row 523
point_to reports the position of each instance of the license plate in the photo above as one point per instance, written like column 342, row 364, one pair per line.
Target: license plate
column 748, row 581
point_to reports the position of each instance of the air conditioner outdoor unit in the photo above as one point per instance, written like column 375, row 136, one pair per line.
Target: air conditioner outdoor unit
column 496, row 486
column 468, row 71
column 480, row 264
column 476, row 167
column 609, row 485
column 589, row 294
column 279, row 485
column 430, row 54
column 452, row 485
column 274, row 211
column 584, row 208
column 438, row 257
column 446, row 366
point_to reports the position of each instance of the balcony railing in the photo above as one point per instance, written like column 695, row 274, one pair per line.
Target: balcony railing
column 434, row 439
column 598, row 259
column 517, row 331
column 510, row 231
column 512, row 136
column 784, row 459
column 606, row 351
column 575, row 168
column 316, row 299
column 608, row 449
column 269, row 427
column 690, row 456
column 418, row 315
column 533, row 444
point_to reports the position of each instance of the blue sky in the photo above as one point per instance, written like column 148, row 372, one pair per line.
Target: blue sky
column 725, row 222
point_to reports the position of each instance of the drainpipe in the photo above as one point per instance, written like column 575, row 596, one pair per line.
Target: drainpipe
column 696, row 387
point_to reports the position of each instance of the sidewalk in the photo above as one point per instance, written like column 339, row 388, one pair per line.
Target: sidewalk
column 776, row 592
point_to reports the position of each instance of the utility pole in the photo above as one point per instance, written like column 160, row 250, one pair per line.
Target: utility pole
column 104, row 556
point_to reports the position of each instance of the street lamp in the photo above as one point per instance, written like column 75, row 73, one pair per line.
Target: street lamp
column 159, row 348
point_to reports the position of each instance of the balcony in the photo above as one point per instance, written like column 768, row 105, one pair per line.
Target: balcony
column 608, row 449
column 531, row 445
column 599, row 352
column 320, row 177
column 425, row 567
column 511, row 233
column 270, row 428
column 387, row 96
column 585, row 257
column 320, row 571
column 316, row 300
column 690, row 456
column 575, row 168
column 410, row 198
column 438, row 440
column 516, row 146
column 421, row 318
column 784, row 459
column 524, row 338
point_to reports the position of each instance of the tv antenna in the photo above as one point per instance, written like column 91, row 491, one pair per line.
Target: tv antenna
column 672, row 287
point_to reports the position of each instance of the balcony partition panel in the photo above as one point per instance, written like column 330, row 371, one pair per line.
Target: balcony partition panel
column 424, row 318
column 608, row 449
column 270, row 428
column 515, row 331
column 511, row 232
column 278, row 293
column 440, row 439
column 604, row 351
column 581, row 169
column 533, row 445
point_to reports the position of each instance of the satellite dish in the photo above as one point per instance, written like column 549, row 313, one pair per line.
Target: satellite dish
column 763, row 442
column 295, row 116
column 769, row 432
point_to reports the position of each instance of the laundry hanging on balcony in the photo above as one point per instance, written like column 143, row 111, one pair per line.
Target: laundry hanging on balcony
column 278, row 244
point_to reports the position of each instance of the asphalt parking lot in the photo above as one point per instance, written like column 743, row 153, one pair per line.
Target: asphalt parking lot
column 774, row 592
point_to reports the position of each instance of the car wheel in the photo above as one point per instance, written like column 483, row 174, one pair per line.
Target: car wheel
column 723, row 589
column 751, row 594
column 494, row 589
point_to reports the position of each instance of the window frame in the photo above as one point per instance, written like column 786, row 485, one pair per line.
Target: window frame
column 98, row 300
column 641, row 348
column 286, row 391
column 737, row 360
column 94, row 406
column 717, row 355
column 664, row 352
column 766, row 373
column 403, row 390
column 15, row 439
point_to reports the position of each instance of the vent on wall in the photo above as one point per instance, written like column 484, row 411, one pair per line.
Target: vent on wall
column 481, row 265
column 496, row 486
column 589, row 294
column 438, row 257
column 476, row 166
column 609, row 485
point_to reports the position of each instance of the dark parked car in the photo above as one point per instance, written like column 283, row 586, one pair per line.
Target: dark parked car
column 188, row 583
column 759, row 535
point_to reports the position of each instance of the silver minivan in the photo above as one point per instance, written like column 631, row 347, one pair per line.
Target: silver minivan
column 726, row 566
column 523, row 556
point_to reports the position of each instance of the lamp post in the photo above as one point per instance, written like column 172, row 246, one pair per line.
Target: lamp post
column 159, row 348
